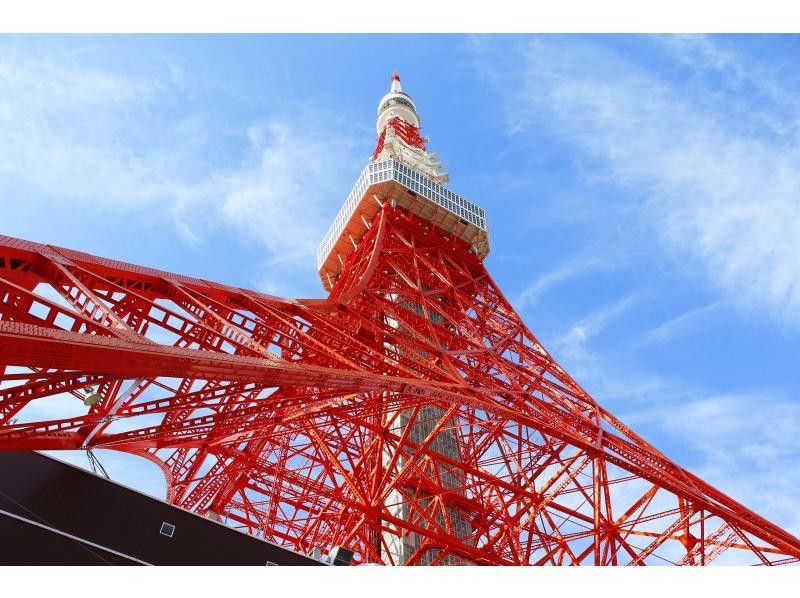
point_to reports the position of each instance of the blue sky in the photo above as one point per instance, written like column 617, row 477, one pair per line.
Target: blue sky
column 643, row 196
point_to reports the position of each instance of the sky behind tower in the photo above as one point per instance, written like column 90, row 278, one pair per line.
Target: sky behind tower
column 641, row 192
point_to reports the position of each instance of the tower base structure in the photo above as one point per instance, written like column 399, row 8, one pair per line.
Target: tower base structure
column 291, row 418
column 410, row 417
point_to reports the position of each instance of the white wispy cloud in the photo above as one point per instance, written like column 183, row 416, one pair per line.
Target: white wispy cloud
column 716, row 174
column 740, row 82
column 574, row 341
column 741, row 444
column 610, row 371
column 567, row 271
column 283, row 200
column 59, row 132
column 685, row 323
column 109, row 141
column 610, row 381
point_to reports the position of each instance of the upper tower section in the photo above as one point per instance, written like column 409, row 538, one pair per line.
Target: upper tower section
column 396, row 103
column 398, row 133
column 402, row 173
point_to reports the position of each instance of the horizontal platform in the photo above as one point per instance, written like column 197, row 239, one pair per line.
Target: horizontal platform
column 392, row 180
column 53, row 513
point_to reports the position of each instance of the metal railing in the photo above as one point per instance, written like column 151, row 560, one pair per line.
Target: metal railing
column 416, row 181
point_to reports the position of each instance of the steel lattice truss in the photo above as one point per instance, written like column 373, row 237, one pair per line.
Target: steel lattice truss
column 316, row 423
column 408, row 133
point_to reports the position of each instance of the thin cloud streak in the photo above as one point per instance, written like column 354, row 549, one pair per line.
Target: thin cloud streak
column 566, row 272
column 685, row 323
column 594, row 323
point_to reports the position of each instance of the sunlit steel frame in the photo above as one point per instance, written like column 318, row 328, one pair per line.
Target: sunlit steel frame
column 281, row 415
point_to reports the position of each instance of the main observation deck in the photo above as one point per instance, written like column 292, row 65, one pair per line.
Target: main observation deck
column 389, row 180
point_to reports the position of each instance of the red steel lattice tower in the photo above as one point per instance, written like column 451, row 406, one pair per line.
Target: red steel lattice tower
column 411, row 416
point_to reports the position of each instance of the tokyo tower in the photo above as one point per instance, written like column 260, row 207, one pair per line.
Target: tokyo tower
column 410, row 417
